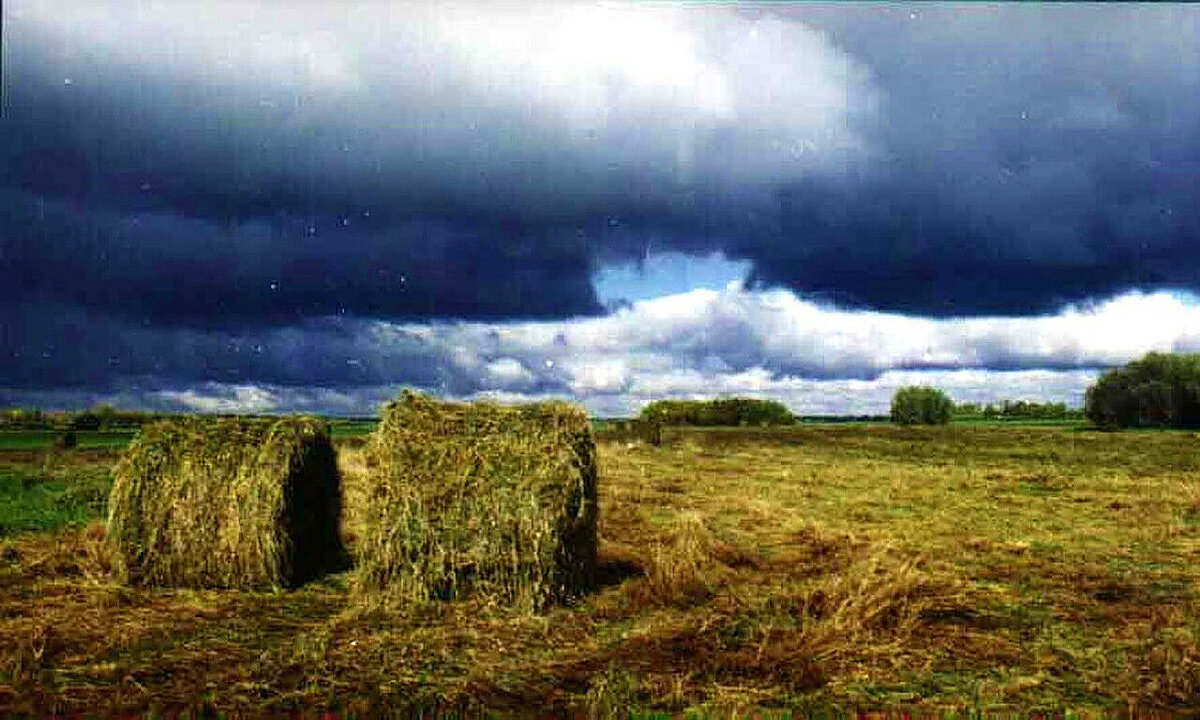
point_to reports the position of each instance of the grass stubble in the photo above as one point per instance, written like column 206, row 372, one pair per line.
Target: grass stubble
column 784, row 571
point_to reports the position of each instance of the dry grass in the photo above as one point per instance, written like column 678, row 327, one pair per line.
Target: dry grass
column 356, row 478
column 226, row 503
column 977, row 570
column 635, row 431
column 485, row 499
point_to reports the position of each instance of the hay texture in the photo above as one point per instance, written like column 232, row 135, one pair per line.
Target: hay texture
column 226, row 503
column 492, row 500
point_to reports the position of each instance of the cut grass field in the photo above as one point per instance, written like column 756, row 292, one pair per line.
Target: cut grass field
column 1008, row 569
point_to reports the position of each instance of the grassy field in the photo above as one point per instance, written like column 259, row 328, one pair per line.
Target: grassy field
column 44, row 439
column 788, row 571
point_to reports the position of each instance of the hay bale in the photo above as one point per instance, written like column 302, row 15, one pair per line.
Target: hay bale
column 498, row 501
column 230, row 503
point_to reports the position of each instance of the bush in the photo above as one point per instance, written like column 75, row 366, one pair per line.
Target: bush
column 1159, row 390
column 726, row 411
column 913, row 405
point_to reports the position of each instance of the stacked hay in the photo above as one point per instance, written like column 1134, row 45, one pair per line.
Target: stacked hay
column 499, row 501
column 231, row 503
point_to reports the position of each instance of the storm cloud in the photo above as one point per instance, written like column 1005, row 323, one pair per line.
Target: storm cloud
column 304, row 205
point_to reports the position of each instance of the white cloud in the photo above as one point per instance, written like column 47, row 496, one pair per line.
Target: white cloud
column 736, row 330
column 507, row 373
column 222, row 398
column 703, row 343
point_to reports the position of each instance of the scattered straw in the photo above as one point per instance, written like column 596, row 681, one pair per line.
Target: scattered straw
column 679, row 570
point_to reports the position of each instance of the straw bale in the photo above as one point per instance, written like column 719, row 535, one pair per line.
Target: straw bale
column 226, row 502
column 496, row 500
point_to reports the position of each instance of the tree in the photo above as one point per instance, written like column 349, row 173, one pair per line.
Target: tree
column 912, row 405
column 725, row 411
column 1158, row 390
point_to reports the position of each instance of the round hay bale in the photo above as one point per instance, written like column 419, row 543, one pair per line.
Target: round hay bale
column 226, row 503
column 496, row 500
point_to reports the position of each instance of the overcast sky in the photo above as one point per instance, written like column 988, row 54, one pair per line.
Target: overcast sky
column 273, row 207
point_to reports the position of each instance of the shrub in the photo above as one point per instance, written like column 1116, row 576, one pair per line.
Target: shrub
column 482, row 498
column 204, row 502
column 1159, row 390
column 726, row 411
column 913, row 405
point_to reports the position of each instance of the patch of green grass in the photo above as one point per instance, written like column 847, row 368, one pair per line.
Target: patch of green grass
column 44, row 439
column 42, row 499
column 26, row 439
column 339, row 429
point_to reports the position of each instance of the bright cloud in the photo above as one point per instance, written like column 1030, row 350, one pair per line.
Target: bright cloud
column 816, row 358
column 776, row 334
column 217, row 398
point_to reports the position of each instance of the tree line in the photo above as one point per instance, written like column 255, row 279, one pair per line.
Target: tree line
column 725, row 411
column 1017, row 410
column 1159, row 390
column 101, row 417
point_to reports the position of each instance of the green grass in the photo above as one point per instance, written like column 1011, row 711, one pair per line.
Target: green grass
column 340, row 429
column 1027, row 422
column 117, row 439
column 50, row 497
column 44, row 439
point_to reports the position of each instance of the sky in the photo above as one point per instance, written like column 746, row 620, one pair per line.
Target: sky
column 241, row 206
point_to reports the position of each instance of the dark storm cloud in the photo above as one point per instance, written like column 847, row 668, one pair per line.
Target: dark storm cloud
column 1030, row 155
column 162, row 166
column 235, row 202
column 160, row 268
column 929, row 159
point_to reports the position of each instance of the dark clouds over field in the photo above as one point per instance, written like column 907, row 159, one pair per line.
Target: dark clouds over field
column 187, row 202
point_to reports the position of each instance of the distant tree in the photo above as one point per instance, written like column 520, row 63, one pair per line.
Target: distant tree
column 912, row 405
column 968, row 410
column 1030, row 410
column 1158, row 390
column 86, row 420
column 725, row 411
column 105, row 415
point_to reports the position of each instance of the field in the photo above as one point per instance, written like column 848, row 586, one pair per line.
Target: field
column 808, row 570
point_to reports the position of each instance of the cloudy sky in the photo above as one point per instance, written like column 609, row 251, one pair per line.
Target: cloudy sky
column 237, row 205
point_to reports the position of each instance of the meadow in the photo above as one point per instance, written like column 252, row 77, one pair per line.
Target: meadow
column 788, row 571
